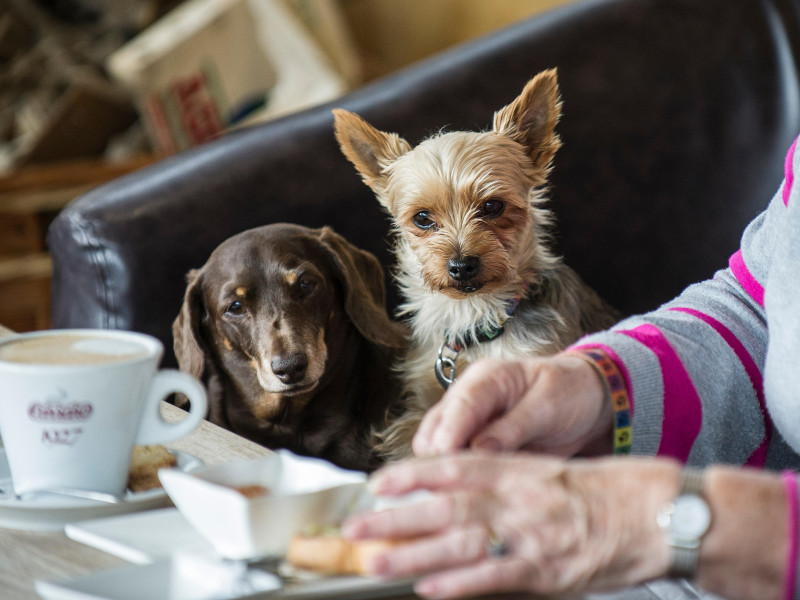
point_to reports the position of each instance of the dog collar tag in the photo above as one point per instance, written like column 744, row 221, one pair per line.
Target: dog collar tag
column 445, row 366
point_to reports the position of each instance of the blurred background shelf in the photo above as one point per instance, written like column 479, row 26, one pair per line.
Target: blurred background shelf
column 79, row 83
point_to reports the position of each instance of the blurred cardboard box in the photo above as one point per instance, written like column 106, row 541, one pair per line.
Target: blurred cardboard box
column 327, row 23
column 211, row 64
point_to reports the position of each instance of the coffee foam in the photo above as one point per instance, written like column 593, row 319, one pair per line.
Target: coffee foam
column 70, row 350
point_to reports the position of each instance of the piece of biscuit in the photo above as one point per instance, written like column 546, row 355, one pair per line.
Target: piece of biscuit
column 145, row 463
column 252, row 491
column 334, row 555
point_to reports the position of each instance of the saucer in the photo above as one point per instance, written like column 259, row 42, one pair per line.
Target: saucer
column 50, row 512
column 189, row 577
column 177, row 578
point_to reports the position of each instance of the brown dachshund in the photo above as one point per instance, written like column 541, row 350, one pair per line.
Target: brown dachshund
column 288, row 329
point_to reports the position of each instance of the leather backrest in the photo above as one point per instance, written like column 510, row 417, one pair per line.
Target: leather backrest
column 677, row 116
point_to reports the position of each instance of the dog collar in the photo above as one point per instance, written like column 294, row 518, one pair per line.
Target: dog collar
column 445, row 367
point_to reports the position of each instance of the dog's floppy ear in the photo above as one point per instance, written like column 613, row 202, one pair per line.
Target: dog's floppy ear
column 186, row 332
column 361, row 276
column 370, row 150
column 531, row 119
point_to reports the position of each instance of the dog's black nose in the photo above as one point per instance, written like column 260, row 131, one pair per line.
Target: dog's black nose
column 291, row 368
column 463, row 268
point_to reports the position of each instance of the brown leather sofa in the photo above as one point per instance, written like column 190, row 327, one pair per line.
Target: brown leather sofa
column 677, row 117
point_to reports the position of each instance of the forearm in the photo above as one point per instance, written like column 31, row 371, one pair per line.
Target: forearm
column 743, row 555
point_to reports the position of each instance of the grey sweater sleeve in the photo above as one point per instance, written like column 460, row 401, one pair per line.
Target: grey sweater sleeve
column 695, row 367
column 713, row 376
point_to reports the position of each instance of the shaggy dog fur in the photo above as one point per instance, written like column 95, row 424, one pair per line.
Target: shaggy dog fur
column 472, row 245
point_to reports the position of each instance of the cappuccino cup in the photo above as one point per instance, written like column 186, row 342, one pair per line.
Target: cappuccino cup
column 74, row 402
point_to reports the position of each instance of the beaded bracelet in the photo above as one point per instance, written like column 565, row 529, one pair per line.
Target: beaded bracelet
column 790, row 571
column 616, row 391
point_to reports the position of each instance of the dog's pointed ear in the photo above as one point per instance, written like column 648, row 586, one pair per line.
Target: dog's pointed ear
column 531, row 118
column 370, row 150
column 362, row 280
column 186, row 334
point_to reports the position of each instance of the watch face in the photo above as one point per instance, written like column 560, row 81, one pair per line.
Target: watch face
column 690, row 519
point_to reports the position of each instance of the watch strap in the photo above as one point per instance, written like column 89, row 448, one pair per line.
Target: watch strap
column 683, row 558
column 682, row 562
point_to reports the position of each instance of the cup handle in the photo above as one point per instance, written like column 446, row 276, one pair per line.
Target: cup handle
column 154, row 429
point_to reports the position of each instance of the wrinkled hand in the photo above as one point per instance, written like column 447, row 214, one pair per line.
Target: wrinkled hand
column 554, row 405
column 570, row 526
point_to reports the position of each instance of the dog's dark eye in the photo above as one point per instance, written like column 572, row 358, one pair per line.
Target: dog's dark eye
column 306, row 286
column 235, row 308
column 423, row 220
column 493, row 207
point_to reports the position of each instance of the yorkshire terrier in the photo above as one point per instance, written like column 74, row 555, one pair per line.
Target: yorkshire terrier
column 472, row 243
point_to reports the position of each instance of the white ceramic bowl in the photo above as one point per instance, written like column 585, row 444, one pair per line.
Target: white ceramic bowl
column 304, row 493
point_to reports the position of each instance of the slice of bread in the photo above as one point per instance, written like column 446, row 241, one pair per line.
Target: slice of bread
column 145, row 463
column 331, row 554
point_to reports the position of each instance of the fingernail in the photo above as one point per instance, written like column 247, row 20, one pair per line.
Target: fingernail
column 489, row 444
column 440, row 444
column 421, row 447
column 350, row 529
column 376, row 485
column 377, row 565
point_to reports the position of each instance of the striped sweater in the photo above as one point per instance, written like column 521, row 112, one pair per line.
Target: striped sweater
column 714, row 376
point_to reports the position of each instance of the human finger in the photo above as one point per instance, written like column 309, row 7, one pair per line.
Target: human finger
column 452, row 548
column 440, row 512
column 530, row 426
column 421, row 444
column 486, row 577
column 463, row 471
column 484, row 391
column 560, row 410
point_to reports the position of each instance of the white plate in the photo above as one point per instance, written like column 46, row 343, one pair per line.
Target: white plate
column 159, row 541
column 142, row 538
column 177, row 578
column 188, row 577
column 50, row 512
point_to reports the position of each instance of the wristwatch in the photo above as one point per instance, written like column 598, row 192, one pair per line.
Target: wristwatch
column 684, row 521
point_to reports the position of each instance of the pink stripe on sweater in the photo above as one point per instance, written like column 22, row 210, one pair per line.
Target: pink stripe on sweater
column 620, row 365
column 788, row 174
column 683, row 412
column 745, row 278
column 759, row 456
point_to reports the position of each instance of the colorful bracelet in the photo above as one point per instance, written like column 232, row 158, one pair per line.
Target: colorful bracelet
column 616, row 391
column 790, row 571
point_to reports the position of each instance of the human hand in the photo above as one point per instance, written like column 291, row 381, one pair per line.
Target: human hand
column 569, row 526
column 555, row 405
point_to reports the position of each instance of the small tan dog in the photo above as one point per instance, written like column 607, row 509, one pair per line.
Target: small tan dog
column 471, row 239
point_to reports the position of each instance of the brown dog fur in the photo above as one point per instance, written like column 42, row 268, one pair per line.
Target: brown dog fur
column 287, row 327
column 471, row 239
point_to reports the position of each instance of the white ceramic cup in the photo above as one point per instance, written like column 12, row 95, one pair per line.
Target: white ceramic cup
column 74, row 402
